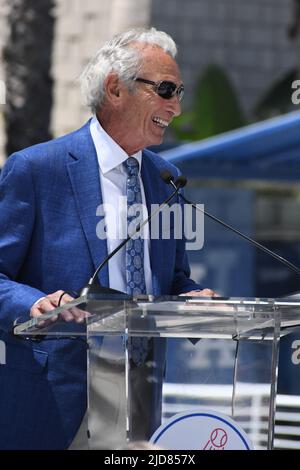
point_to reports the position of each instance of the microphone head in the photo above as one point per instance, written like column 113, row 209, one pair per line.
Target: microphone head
column 181, row 181
column 166, row 176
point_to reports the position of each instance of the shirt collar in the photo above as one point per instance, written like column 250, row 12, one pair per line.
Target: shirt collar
column 110, row 155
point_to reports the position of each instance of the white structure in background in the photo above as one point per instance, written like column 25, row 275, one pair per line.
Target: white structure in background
column 81, row 29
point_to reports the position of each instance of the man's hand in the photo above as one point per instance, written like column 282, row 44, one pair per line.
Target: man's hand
column 201, row 293
column 50, row 302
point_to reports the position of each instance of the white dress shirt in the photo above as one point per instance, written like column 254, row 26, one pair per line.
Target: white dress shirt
column 113, row 186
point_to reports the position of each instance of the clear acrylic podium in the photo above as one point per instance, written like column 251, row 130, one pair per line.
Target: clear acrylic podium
column 127, row 402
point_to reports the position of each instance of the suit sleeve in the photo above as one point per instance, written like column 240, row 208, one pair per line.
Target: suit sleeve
column 17, row 216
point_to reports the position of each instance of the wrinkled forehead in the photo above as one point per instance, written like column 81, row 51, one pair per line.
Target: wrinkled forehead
column 157, row 63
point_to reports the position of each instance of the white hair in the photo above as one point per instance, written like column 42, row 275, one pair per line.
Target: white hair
column 116, row 55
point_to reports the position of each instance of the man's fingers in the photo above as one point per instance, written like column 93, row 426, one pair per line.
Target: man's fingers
column 207, row 293
column 65, row 298
column 201, row 293
column 50, row 302
column 43, row 306
column 74, row 314
column 79, row 315
column 67, row 315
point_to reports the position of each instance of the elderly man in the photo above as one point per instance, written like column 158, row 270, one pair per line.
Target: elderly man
column 49, row 195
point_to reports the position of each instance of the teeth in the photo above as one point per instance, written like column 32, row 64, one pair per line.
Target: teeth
column 160, row 122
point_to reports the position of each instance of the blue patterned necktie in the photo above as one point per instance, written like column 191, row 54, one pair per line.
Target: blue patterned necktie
column 135, row 275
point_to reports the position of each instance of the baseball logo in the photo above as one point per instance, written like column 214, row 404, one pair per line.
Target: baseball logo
column 217, row 441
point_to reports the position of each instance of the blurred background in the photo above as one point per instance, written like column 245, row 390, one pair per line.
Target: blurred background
column 237, row 140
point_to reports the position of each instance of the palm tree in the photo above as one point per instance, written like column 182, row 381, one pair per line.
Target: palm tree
column 27, row 62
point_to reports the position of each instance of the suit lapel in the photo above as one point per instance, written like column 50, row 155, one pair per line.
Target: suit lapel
column 83, row 170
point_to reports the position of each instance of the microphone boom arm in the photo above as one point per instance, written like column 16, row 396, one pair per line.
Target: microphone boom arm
column 250, row 240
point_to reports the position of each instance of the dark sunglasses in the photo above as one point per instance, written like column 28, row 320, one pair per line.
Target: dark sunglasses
column 164, row 89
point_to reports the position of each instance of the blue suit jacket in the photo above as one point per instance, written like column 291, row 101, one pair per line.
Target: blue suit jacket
column 49, row 194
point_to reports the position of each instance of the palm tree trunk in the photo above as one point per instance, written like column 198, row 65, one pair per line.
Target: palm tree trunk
column 27, row 57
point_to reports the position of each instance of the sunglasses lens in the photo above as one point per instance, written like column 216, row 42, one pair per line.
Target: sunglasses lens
column 166, row 89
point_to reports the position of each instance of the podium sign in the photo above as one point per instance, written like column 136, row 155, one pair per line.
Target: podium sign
column 128, row 402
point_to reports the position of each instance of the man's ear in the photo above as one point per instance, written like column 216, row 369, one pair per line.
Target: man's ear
column 112, row 88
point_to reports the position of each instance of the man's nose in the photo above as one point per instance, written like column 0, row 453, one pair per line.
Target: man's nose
column 174, row 105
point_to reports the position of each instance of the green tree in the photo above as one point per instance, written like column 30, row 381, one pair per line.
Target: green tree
column 216, row 108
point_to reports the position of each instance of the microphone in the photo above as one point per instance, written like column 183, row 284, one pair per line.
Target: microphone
column 92, row 287
column 169, row 179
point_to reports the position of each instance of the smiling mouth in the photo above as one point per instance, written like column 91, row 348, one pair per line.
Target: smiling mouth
column 160, row 122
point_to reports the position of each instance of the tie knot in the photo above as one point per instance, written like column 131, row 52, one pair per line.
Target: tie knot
column 132, row 166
